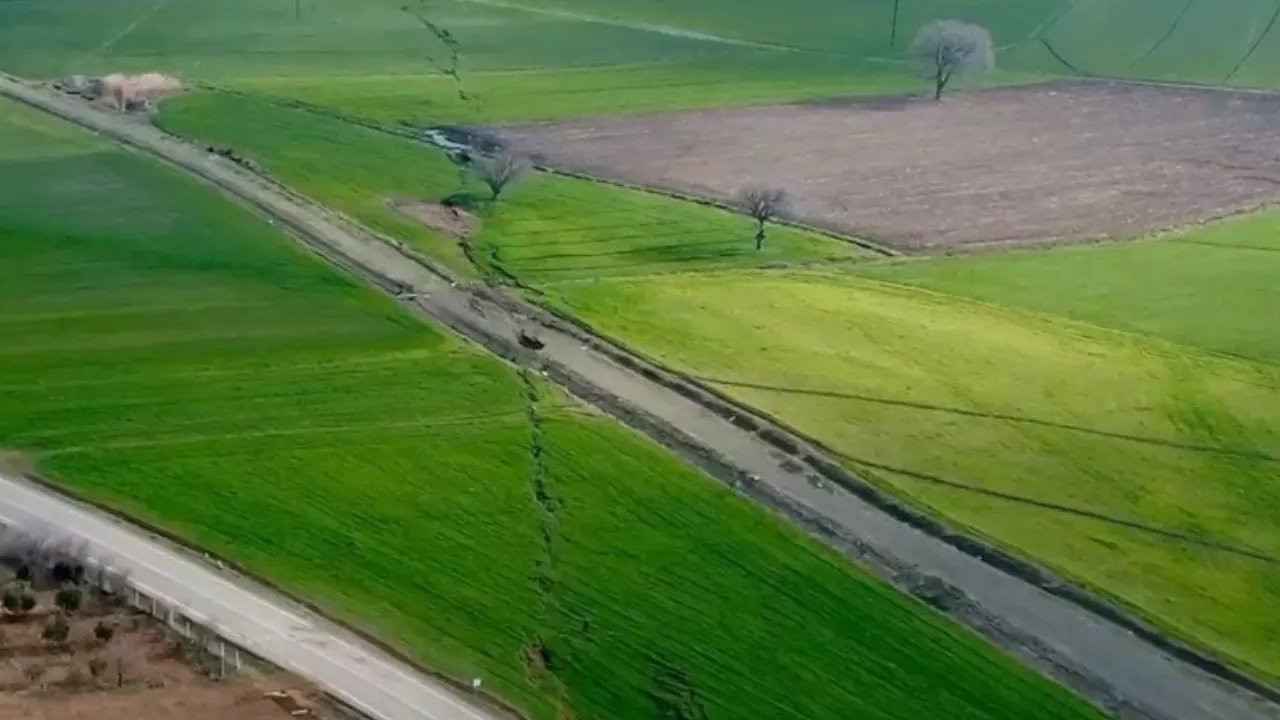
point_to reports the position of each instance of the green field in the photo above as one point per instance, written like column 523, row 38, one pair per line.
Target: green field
column 947, row 400
column 542, row 59
column 899, row 379
column 167, row 353
column 1210, row 287
column 1109, row 410
column 548, row 228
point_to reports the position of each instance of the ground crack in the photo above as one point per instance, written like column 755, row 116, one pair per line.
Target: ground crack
column 540, row 659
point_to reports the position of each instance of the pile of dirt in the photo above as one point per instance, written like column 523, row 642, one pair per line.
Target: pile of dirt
column 448, row 219
column 125, row 92
column 131, row 91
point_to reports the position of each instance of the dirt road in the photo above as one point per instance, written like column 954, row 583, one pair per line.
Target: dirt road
column 1103, row 660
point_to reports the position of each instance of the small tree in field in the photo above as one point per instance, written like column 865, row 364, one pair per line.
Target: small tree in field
column 946, row 49
column 762, row 204
column 500, row 171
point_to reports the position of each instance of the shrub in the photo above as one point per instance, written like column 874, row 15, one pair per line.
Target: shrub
column 57, row 631
column 69, row 599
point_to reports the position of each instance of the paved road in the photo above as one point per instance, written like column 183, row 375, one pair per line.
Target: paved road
column 251, row 617
column 1114, row 663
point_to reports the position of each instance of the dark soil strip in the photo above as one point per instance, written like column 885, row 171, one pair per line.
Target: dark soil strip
column 1256, row 44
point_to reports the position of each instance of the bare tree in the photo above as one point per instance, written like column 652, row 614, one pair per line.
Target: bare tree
column 763, row 204
column 946, row 49
column 500, row 170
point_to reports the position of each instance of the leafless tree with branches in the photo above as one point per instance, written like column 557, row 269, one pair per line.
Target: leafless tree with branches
column 946, row 49
column 500, row 170
column 762, row 204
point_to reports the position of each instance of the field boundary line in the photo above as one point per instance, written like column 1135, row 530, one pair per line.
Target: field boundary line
column 667, row 30
column 1177, row 21
column 1257, row 43
column 137, row 22
column 1052, row 317
column 572, row 341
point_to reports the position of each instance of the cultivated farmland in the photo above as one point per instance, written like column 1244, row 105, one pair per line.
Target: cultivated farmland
column 916, row 389
column 169, row 354
column 1058, row 162
column 1211, row 287
column 1108, row 411
column 1143, row 468
column 547, row 228
column 544, row 59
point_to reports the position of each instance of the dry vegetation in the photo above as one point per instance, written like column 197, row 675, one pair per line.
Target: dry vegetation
column 1055, row 162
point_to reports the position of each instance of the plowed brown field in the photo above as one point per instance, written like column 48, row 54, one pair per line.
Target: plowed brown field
column 1057, row 162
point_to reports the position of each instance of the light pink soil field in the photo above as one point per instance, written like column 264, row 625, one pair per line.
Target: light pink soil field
column 1058, row 162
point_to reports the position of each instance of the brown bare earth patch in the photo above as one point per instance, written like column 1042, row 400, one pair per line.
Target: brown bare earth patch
column 141, row 672
column 1057, row 162
column 452, row 221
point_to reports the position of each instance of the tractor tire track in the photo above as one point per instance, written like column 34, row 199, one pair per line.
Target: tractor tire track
column 1177, row 21
column 1275, row 16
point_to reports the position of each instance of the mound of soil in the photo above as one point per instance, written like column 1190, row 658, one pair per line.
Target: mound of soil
column 452, row 221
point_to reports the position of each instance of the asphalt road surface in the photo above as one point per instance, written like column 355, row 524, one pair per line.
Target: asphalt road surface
column 1117, row 665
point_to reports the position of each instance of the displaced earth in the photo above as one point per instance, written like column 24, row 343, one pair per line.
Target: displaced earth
column 1057, row 162
column 1106, row 662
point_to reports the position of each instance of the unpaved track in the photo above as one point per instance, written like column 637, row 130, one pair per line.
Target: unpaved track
column 1101, row 659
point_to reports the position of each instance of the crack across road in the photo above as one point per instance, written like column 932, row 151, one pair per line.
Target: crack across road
column 1120, row 669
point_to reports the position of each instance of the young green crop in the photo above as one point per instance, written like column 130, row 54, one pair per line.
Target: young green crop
column 549, row 228
column 1052, row 438
column 166, row 352
column 1211, row 286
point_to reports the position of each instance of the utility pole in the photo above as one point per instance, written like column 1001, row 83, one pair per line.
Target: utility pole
column 297, row 10
column 893, row 26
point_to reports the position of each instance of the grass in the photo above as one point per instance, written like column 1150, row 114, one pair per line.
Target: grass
column 1159, row 39
column 548, row 228
column 948, row 401
column 926, row 384
column 168, row 353
column 552, row 59
column 1209, row 286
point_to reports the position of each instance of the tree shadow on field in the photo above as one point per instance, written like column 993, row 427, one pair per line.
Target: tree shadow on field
column 1085, row 513
column 1249, row 454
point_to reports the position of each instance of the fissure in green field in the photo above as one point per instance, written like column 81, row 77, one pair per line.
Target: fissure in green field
column 171, row 355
